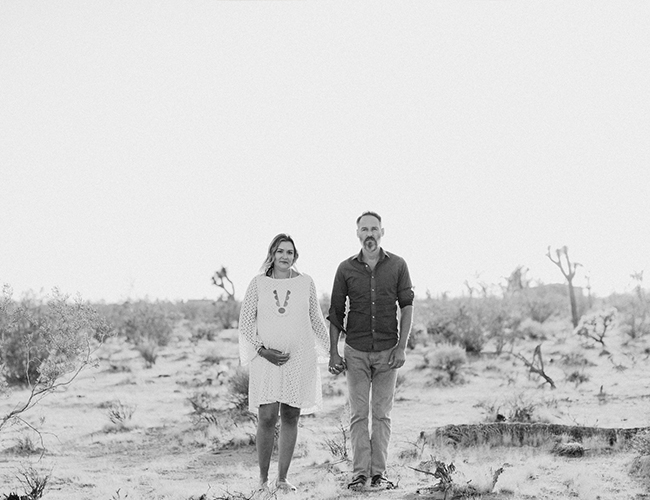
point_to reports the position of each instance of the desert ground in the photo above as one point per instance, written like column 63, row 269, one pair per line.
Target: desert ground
column 124, row 430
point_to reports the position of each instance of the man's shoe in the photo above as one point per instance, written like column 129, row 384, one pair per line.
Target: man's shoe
column 358, row 483
column 380, row 481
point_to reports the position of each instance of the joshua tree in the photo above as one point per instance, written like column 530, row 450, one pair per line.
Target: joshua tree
column 221, row 279
column 568, row 273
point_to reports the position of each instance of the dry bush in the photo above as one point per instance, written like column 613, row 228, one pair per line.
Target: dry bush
column 221, row 429
column 448, row 359
column 205, row 331
column 541, row 303
column 595, row 326
column 238, row 388
column 457, row 321
column 577, row 359
column 634, row 309
column 577, row 377
column 33, row 482
column 148, row 349
column 148, row 326
column 515, row 408
column 119, row 413
column 532, row 330
column 45, row 345
column 338, row 445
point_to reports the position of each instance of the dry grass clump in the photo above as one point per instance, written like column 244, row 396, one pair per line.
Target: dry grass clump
column 33, row 482
column 120, row 415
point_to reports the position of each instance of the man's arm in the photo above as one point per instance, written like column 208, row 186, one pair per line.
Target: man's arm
column 336, row 318
column 398, row 355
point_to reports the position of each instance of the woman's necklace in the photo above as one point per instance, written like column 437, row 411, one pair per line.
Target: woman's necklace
column 281, row 308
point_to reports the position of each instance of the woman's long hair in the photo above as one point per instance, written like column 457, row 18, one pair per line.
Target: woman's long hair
column 267, row 266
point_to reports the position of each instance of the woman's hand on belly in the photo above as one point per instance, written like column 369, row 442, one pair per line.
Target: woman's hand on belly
column 274, row 356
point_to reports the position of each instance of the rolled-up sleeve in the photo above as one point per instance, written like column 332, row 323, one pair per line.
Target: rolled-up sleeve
column 336, row 315
column 405, row 293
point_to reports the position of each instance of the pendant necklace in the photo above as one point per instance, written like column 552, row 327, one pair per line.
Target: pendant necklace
column 281, row 308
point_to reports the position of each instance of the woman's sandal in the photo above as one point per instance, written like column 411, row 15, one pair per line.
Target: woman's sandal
column 285, row 486
column 263, row 491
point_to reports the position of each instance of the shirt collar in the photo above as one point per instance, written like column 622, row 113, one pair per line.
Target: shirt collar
column 382, row 255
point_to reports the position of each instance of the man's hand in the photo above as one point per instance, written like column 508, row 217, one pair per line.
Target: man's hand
column 336, row 364
column 397, row 357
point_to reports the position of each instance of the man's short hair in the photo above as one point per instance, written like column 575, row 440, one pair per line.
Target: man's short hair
column 373, row 214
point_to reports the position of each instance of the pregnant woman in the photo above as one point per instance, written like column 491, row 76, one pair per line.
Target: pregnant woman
column 282, row 338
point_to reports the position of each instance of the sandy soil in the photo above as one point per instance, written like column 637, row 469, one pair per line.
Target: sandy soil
column 163, row 453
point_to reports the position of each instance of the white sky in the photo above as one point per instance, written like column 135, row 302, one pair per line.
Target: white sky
column 143, row 144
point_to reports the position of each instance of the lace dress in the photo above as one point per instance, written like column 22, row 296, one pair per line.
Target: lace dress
column 283, row 314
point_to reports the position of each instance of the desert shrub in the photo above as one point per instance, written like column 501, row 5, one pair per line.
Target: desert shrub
column 222, row 313
column 23, row 346
column 515, row 408
column 148, row 349
column 148, row 326
column 45, row 344
column 226, row 313
column 577, row 377
column 520, row 410
column 634, row 312
column 500, row 321
column 33, row 482
column 457, row 321
column 418, row 336
column 447, row 358
column 119, row 413
column 596, row 325
column 205, row 331
column 144, row 320
column 543, row 302
column 575, row 359
column 338, row 443
column 203, row 408
column 532, row 330
column 238, row 388
column 222, row 428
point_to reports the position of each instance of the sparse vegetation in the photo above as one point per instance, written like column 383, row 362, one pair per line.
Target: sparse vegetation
column 519, row 414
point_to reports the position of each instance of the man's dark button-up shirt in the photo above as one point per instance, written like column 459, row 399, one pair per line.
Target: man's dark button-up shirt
column 373, row 299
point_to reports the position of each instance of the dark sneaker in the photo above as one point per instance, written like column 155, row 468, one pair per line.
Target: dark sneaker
column 358, row 483
column 380, row 481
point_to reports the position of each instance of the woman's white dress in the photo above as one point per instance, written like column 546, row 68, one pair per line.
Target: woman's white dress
column 283, row 314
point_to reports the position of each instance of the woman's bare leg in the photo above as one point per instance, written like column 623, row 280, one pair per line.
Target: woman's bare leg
column 289, row 417
column 267, row 418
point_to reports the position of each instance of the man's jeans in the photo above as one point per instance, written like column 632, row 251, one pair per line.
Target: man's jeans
column 370, row 382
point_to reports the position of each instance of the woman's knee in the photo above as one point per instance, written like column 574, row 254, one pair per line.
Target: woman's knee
column 289, row 414
column 267, row 415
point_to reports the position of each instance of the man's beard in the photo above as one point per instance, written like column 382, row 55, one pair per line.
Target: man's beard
column 370, row 242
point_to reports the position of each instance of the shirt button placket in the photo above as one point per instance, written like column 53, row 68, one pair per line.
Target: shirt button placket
column 373, row 310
